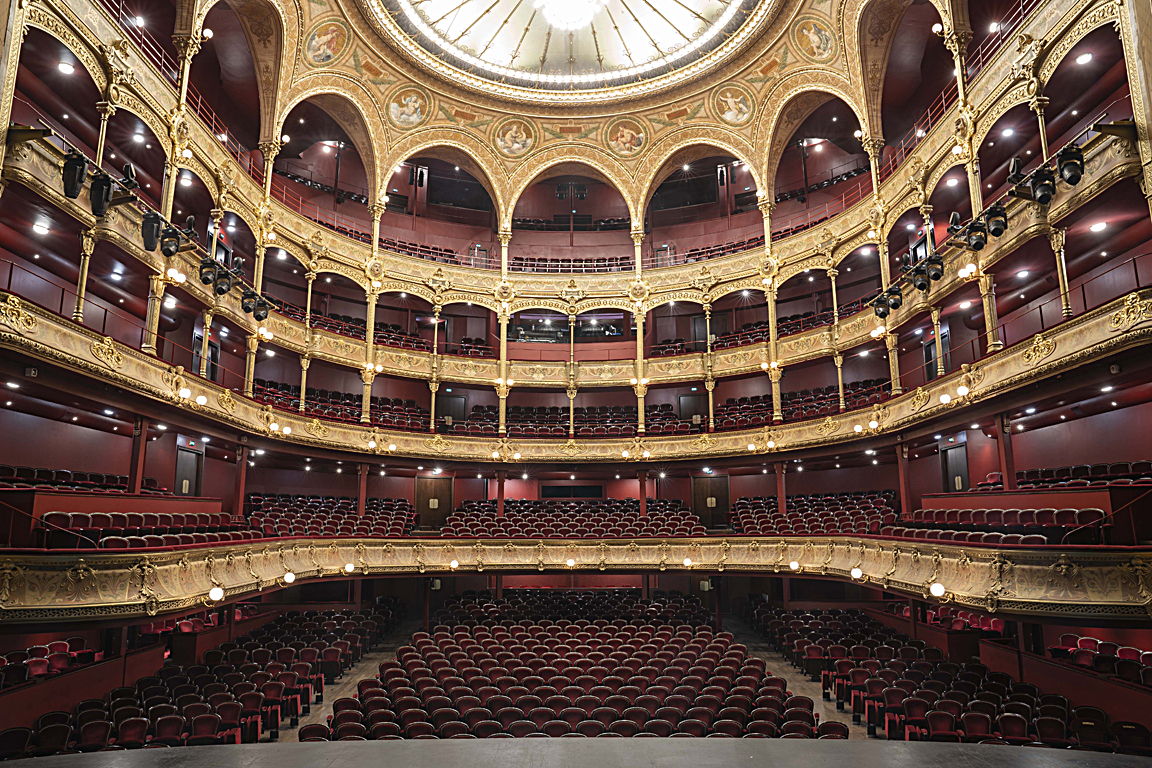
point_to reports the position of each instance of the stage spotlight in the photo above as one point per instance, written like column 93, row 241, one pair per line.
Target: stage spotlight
column 880, row 308
column 100, row 194
column 207, row 270
column 977, row 235
column 1015, row 171
column 260, row 313
column 935, row 267
column 248, row 301
column 169, row 242
column 1070, row 162
column 75, row 169
column 954, row 224
column 997, row 220
column 223, row 281
column 1043, row 185
column 150, row 230
column 920, row 279
column 894, row 297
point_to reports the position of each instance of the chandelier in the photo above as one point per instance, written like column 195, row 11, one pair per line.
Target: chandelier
column 569, row 15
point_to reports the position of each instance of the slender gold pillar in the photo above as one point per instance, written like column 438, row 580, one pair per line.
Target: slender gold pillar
column 367, row 377
column 640, row 380
column 832, row 273
column 773, row 335
column 638, row 253
column 207, row 316
column 503, row 384
column 305, row 361
column 105, row 109
column 939, row 341
column 1056, row 237
column 370, row 330
column 505, row 239
column 839, row 360
column 991, row 322
column 893, row 362
column 774, row 374
column 87, row 246
column 709, row 380
column 571, row 376
column 152, row 318
column 250, row 363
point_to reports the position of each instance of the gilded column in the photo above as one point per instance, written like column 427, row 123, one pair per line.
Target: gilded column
column 839, row 360
column 1056, row 237
column 376, row 210
column 874, row 146
column 832, row 273
column 638, row 252
column 1037, row 105
column 367, row 377
column 311, row 276
column 87, row 246
column 770, row 299
column 893, row 362
column 152, row 318
column 305, row 361
column 766, row 206
column 774, row 374
column 258, row 267
column 12, row 31
column 505, row 238
column 187, row 46
column 571, row 376
column 434, row 381
column 168, row 197
column 269, row 150
column 885, row 261
column 709, row 380
column 105, row 109
column 991, row 322
column 250, row 363
column 503, row 383
column 640, row 380
column 433, row 387
column 370, row 331
column 205, row 338
column 939, row 341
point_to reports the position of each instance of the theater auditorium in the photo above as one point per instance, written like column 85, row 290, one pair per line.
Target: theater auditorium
column 380, row 379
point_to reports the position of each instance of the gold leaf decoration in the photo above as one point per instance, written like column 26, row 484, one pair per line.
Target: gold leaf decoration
column 572, row 449
column 827, row 427
column 13, row 315
column 316, row 428
column 1134, row 311
column 438, row 444
column 920, row 399
column 1040, row 349
column 226, row 401
column 105, row 351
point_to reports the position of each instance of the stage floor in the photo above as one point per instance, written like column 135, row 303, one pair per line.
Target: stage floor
column 598, row 753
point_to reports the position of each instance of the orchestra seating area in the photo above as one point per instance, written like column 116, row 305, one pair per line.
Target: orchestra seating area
column 71, row 480
column 245, row 691
column 858, row 512
column 1040, row 526
column 294, row 515
column 392, row 413
column 609, row 519
column 904, row 689
column 590, row 421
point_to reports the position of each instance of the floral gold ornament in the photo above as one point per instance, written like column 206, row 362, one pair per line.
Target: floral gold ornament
column 1041, row 348
column 13, row 315
column 317, row 428
column 1134, row 312
column 106, row 352
column 919, row 399
column 226, row 402
column 829, row 426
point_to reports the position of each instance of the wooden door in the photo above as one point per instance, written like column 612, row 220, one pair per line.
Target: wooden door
column 433, row 500
column 710, row 500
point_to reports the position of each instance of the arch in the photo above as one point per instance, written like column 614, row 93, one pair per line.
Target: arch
column 269, row 32
column 563, row 158
column 793, row 100
column 877, row 25
column 460, row 148
column 353, row 107
column 664, row 156
column 692, row 297
column 88, row 58
column 478, row 300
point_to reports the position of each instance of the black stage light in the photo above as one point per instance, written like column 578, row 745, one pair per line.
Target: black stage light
column 207, row 270
column 977, row 235
column 1015, row 171
column 248, row 301
column 75, row 169
column 920, row 279
column 954, row 224
column 129, row 180
column 1070, row 162
column 997, row 220
column 223, row 281
column 894, row 297
column 100, row 194
column 260, row 313
column 169, row 242
column 935, row 267
column 1043, row 185
column 880, row 307
column 150, row 230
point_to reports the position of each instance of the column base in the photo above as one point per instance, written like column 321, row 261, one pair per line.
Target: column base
column 150, row 349
column 78, row 316
column 897, row 391
column 777, row 418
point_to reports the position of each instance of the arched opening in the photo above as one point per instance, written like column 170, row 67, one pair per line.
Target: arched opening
column 571, row 218
column 821, row 168
column 702, row 203
column 223, row 77
column 440, row 207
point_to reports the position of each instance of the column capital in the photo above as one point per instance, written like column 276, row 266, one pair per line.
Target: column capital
column 269, row 149
column 936, row 316
column 832, row 272
column 1038, row 104
column 873, row 145
column 156, row 286
column 88, row 238
column 766, row 206
column 106, row 109
column 377, row 209
column 186, row 46
column 367, row 375
column 505, row 237
column 890, row 341
column 253, row 343
column 637, row 237
column 986, row 285
column 305, row 361
column 1056, row 238
column 838, row 359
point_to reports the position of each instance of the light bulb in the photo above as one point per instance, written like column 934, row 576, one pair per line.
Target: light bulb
column 274, row 426
column 289, row 577
column 454, row 564
column 371, row 443
column 857, row 428
column 571, row 562
column 391, row 446
column 185, row 393
column 287, row 430
column 201, row 400
column 873, row 424
column 795, row 566
column 751, row 446
column 687, row 562
column 937, row 589
column 216, row 594
column 857, row 573
column 945, row 398
column 961, row 390
column 349, row 567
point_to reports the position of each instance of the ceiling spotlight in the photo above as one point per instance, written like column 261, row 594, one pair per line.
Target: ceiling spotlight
column 40, row 229
column 1083, row 58
column 1099, row 226
column 66, row 68
column 952, row 182
column 965, row 304
column 994, row 27
column 1106, row 389
column 1007, row 132
column 524, row 476
column 1022, row 274
column 138, row 138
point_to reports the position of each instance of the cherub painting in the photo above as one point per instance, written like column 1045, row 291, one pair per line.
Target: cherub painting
column 408, row 108
column 626, row 137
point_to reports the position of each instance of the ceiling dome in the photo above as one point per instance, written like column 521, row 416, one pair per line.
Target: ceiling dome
column 573, row 46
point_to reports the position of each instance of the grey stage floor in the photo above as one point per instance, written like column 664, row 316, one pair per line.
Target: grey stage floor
column 597, row 753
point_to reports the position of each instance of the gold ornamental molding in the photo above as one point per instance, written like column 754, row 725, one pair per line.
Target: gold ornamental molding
column 1081, row 582
column 1081, row 339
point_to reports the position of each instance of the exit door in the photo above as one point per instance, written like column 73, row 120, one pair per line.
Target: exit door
column 188, row 469
column 955, row 469
column 433, row 500
column 710, row 500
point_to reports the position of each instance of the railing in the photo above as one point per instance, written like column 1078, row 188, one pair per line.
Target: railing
column 983, row 53
column 810, row 217
column 1118, row 280
column 124, row 328
column 795, row 186
column 670, row 257
column 936, row 110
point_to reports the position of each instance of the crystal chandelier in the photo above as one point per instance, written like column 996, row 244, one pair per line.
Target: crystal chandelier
column 569, row 15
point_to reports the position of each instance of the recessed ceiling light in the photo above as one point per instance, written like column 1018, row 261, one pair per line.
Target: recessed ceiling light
column 1106, row 389
column 162, row 427
column 1099, row 226
column 864, row 353
column 965, row 304
column 975, row 426
column 1022, row 274
column 952, row 182
column 40, row 229
column 13, row 385
column 1075, row 112
column 108, row 412
column 1083, row 58
column 1007, row 132
column 259, row 451
column 994, row 27
column 138, row 138
column 936, row 437
column 1062, row 417
column 1113, row 403
column 66, row 67
column 115, row 277
column 910, row 227
column 1029, row 410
